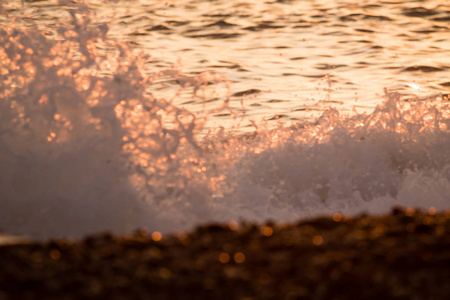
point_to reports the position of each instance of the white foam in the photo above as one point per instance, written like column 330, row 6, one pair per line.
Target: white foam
column 85, row 147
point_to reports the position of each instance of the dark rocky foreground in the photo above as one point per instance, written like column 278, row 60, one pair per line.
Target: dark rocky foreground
column 403, row 255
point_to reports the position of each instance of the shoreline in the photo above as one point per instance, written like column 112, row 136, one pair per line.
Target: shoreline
column 401, row 255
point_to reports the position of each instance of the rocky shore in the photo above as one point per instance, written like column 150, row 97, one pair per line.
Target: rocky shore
column 402, row 255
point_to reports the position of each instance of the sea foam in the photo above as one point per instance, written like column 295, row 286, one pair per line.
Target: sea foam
column 85, row 146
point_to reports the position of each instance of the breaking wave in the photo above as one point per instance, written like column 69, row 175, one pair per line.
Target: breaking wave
column 87, row 146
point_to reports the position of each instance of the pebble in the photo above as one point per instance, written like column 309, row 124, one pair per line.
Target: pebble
column 401, row 255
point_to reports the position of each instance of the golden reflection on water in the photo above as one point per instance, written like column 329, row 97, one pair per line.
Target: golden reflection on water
column 302, row 56
column 277, row 61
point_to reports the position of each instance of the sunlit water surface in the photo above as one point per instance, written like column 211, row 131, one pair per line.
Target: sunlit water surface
column 132, row 113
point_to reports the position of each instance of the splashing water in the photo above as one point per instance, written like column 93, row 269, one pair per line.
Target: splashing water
column 77, row 126
column 396, row 155
column 85, row 146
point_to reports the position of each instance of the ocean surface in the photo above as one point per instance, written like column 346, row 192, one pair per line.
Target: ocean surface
column 116, row 115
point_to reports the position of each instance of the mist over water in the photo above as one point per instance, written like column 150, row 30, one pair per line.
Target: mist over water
column 89, row 141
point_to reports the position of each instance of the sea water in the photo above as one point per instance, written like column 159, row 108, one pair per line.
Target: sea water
column 168, row 114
